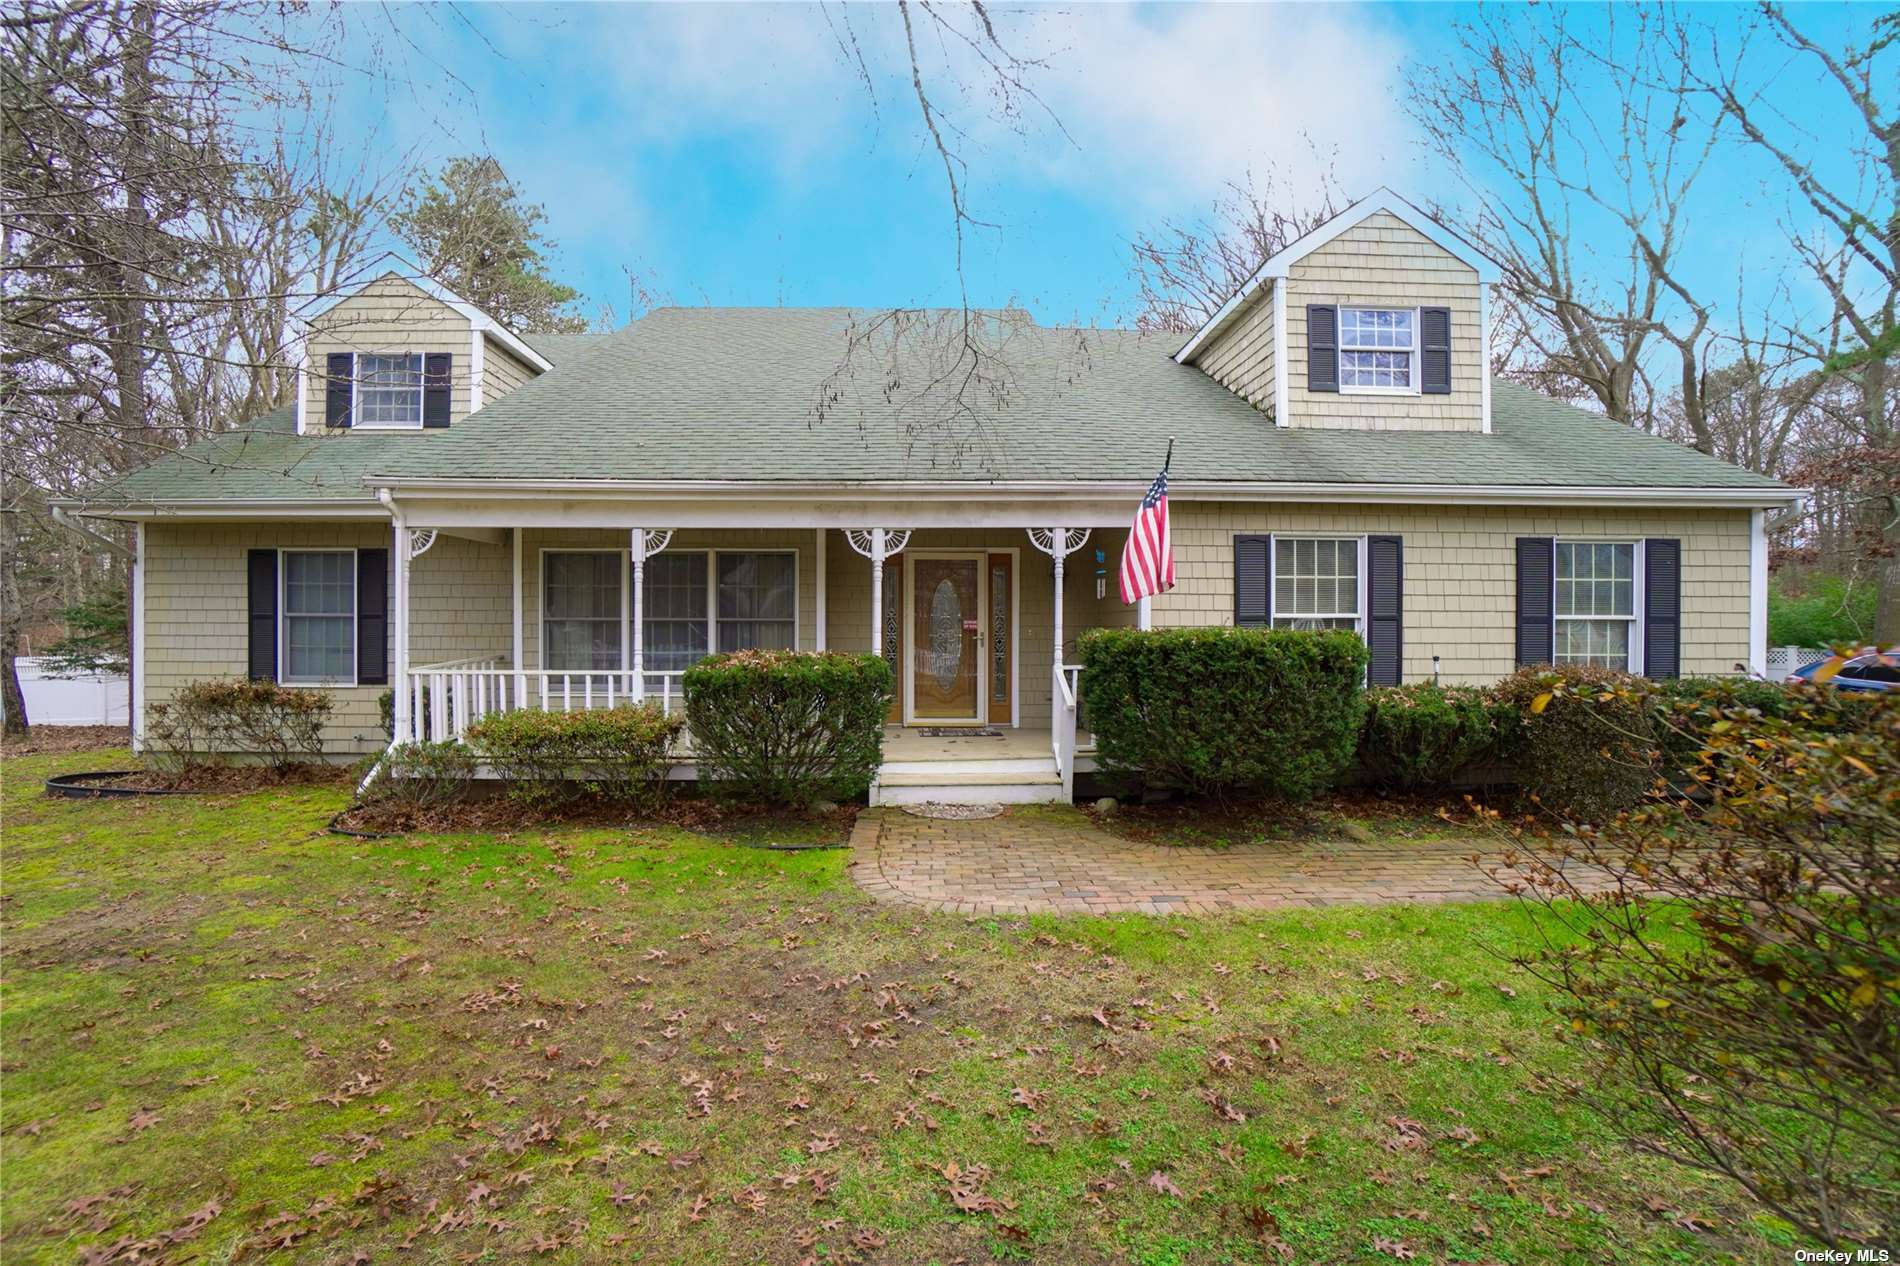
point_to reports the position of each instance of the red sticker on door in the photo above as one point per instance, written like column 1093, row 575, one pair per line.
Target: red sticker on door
column 969, row 626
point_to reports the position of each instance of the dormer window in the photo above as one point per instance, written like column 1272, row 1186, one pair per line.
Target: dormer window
column 1378, row 349
column 390, row 387
column 388, row 390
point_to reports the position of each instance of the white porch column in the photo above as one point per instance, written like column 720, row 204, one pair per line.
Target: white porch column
column 1144, row 614
column 521, row 675
column 878, row 544
column 646, row 542
column 405, row 727
column 1061, row 552
column 1058, row 544
column 823, row 598
column 877, row 591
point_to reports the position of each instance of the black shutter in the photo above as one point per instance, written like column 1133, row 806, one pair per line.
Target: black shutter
column 1434, row 329
column 1385, row 609
column 1253, row 581
column 1662, row 608
column 438, row 376
column 1322, row 347
column 339, row 392
column 372, row 617
column 263, row 611
column 1536, row 592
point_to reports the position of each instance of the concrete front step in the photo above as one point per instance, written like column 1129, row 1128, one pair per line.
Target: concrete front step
column 968, row 782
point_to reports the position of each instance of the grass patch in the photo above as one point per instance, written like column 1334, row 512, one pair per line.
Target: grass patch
column 226, row 1026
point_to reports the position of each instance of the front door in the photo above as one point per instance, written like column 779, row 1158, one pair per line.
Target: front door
column 946, row 637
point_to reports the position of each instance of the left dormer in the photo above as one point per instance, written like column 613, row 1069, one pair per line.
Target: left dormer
column 399, row 352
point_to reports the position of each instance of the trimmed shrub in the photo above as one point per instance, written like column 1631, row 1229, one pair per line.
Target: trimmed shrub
column 1265, row 711
column 1586, row 745
column 206, row 722
column 1425, row 735
column 425, row 775
column 621, row 753
column 788, row 727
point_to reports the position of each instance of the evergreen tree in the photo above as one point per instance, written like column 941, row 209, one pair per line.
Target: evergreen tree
column 476, row 236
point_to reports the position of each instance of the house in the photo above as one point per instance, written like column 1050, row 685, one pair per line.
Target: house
column 474, row 520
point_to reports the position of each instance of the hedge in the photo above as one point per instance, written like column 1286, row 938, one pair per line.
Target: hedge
column 788, row 727
column 1426, row 735
column 621, row 752
column 1588, row 743
column 1263, row 711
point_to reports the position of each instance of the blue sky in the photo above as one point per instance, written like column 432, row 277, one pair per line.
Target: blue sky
column 728, row 153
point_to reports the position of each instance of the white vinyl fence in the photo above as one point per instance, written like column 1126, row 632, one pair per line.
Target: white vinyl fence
column 1784, row 661
column 96, row 699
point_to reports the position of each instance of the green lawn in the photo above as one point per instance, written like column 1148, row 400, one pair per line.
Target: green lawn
column 226, row 1026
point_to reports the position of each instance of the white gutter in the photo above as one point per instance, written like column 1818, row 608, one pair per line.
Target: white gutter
column 67, row 520
column 399, row 567
column 1195, row 490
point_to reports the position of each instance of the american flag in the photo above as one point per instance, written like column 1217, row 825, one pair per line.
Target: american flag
column 1148, row 558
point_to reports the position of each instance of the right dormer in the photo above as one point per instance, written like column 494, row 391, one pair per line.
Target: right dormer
column 1378, row 319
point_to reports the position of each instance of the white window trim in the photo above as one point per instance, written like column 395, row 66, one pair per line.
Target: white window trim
column 1637, row 615
column 1274, row 616
column 626, row 598
column 283, row 623
column 1340, row 349
column 356, row 392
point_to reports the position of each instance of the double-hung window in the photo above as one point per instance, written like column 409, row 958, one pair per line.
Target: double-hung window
column 389, row 389
column 319, row 622
column 758, row 601
column 1316, row 583
column 1378, row 349
column 674, row 611
column 1596, row 603
column 580, row 610
column 692, row 602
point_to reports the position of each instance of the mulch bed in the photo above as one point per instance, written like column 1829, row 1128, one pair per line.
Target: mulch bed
column 1198, row 821
column 237, row 779
column 41, row 739
column 498, row 813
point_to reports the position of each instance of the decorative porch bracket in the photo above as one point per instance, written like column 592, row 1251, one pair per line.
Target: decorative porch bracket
column 646, row 542
column 878, row 544
column 421, row 541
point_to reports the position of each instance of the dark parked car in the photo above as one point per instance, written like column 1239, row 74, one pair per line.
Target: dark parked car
column 1869, row 670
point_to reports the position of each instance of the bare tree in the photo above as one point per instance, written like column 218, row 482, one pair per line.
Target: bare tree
column 155, row 248
column 1580, row 154
column 952, row 54
column 1185, row 270
column 1844, row 231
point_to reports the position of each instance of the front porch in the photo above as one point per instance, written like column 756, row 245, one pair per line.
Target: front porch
column 979, row 625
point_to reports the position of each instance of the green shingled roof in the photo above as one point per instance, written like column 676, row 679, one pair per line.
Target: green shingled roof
column 732, row 394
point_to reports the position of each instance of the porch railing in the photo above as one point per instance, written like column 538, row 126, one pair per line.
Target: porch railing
column 1068, row 682
column 446, row 699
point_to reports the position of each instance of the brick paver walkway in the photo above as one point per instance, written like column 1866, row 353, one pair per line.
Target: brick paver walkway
column 1063, row 864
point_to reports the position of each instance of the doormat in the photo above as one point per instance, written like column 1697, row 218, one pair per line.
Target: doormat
column 960, row 731
column 954, row 812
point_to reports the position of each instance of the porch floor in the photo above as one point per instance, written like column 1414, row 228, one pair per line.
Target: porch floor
column 1030, row 742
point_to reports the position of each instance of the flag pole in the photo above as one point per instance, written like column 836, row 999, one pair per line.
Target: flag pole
column 1169, row 459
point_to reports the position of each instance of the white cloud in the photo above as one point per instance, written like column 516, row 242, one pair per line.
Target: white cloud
column 1163, row 104
column 1176, row 101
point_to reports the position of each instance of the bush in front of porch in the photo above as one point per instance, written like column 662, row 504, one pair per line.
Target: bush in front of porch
column 788, row 727
column 620, row 753
column 1273, row 712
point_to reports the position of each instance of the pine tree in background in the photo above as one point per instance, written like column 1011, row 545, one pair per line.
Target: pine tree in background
column 476, row 236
